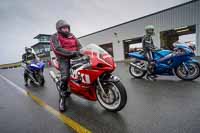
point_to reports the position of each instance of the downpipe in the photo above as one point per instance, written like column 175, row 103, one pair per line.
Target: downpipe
column 55, row 80
column 134, row 65
column 53, row 76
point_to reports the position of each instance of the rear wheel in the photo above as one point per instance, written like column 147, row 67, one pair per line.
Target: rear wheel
column 136, row 72
column 193, row 71
column 115, row 98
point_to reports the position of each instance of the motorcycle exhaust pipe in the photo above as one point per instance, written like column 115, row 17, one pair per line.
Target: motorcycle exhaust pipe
column 53, row 76
column 134, row 65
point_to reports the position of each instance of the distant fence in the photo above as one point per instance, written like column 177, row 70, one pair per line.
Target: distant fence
column 11, row 65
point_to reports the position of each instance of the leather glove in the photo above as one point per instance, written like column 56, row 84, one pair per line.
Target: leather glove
column 77, row 53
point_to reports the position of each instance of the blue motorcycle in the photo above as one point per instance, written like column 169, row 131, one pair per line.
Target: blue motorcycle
column 178, row 62
column 35, row 70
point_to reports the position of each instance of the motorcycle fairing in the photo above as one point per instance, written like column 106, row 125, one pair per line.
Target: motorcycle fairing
column 89, row 77
column 156, row 54
column 36, row 66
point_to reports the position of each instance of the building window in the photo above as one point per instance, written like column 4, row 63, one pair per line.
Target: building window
column 108, row 47
column 181, row 34
column 44, row 38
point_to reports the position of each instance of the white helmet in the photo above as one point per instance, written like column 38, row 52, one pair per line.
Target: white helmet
column 149, row 29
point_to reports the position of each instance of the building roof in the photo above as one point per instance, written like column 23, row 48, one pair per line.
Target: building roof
column 139, row 18
column 39, row 35
column 40, row 43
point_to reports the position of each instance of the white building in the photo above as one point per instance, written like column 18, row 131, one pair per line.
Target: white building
column 181, row 22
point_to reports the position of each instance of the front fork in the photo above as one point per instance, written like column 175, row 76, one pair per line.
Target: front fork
column 100, row 86
column 107, row 78
column 32, row 77
column 186, row 68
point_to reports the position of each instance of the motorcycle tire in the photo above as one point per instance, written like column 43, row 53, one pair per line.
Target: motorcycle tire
column 41, row 80
column 186, row 78
column 132, row 71
column 122, row 96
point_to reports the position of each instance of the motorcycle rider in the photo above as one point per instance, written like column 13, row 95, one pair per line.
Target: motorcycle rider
column 148, row 46
column 27, row 57
column 65, row 46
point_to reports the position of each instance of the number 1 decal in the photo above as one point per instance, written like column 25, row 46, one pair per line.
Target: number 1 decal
column 85, row 78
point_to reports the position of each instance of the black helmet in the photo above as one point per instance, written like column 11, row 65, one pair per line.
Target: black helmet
column 28, row 50
column 149, row 29
column 62, row 23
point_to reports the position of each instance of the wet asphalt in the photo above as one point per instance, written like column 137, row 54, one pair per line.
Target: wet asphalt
column 168, row 105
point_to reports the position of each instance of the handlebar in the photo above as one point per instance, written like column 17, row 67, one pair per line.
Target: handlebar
column 83, row 59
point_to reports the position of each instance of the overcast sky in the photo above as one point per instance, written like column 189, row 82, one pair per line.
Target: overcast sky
column 21, row 20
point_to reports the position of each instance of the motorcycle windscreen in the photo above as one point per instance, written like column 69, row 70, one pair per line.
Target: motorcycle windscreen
column 41, row 64
column 94, row 50
column 34, row 67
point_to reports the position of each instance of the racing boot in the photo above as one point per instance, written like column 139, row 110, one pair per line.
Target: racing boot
column 63, row 94
column 150, row 73
column 62, row 104
column 25, row 81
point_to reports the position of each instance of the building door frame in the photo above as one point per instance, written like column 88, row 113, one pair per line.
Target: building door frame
column 128, row 42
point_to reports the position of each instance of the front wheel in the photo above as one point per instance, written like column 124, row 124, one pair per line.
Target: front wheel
column 115, row 98
column 192, row 73
column 40, row 78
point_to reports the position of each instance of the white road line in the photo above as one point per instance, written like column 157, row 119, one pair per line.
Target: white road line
column 68, row 121
column 14, row 85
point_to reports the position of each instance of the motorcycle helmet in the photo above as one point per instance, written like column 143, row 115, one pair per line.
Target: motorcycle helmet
column 60, row 24
column 150, row 30
column 28, row 50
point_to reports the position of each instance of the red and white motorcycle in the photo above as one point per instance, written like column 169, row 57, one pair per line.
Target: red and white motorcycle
column 91, row 78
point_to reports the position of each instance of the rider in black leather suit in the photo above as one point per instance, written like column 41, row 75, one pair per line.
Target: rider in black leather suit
column 148, row 46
